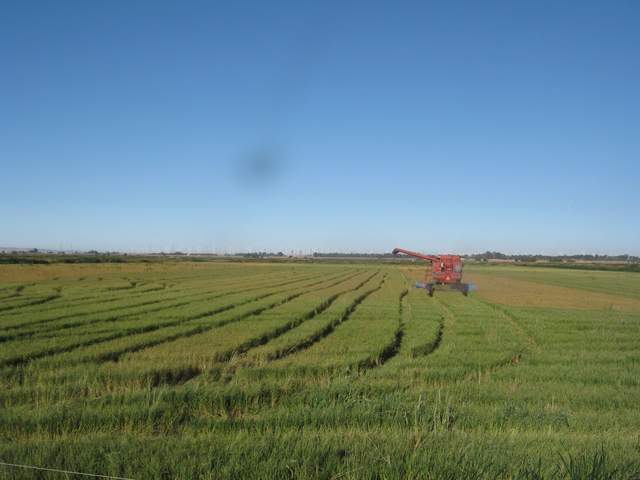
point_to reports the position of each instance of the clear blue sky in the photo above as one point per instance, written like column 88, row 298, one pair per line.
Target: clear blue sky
column 441, row 126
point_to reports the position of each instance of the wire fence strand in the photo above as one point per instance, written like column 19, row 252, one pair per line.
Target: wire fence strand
column 69, row 472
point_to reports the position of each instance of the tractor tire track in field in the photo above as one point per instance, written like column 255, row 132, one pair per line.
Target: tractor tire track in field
column 117, row 317
column 513, row 320
column 134, row 305
column 180, row 303
column 213, row 294
column 99, row 296
column 328, row 330
column 11, row 295
column 430, row 347
column 173, row 376
column 509, row 360
column 23, row 360
column 513, row 358
column 392, row 349
column 115, row 356
column 150, row 328
column 17, row 289
column 96, row 312
column 255, row 342
column 39, row 301
column 447, row 311
column 243, row 348
column 132, row 285
column 98, row 299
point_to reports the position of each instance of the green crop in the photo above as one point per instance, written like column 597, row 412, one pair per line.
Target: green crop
column 293, row 370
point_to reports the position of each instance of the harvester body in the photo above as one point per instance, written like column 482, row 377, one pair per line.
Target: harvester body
column 445, row 270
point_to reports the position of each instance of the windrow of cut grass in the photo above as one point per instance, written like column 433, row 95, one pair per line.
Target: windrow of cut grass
column 315, row 329
column 341, row 371
column 477, row 340
column 22, row 303
column 73, row 297
column 203, row 282
column 423, row 324
column 423, row 320
column 20, row 351
column 51, row 374
column 28, row 322
column 194, row 318
column 67, row 292
column 365, row 340
column 178, row 307
column 208, row 349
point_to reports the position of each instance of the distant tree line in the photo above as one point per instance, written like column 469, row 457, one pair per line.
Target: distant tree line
column 260, row 254
column 555, row 258
column 582, row 261
column 355, row 255
column 503, row 256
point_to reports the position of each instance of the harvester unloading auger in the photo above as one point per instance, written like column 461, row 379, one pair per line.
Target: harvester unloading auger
column 445, row 270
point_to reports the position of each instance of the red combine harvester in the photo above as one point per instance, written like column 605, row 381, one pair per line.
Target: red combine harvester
column 445, row 270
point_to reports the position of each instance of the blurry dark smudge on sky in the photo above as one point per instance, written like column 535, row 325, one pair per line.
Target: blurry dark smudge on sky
column 263, row 165
column 260, row 167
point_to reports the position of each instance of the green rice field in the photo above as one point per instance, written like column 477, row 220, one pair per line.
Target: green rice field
column 317, row 370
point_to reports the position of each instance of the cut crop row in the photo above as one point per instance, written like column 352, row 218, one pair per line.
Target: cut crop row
column 22, row 351
column 362, row 341
column 315, row 329
column 127, row 311
column 35, row 322
column 105, row 350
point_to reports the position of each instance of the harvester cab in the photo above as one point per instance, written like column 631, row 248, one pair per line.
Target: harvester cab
column 446, row 270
